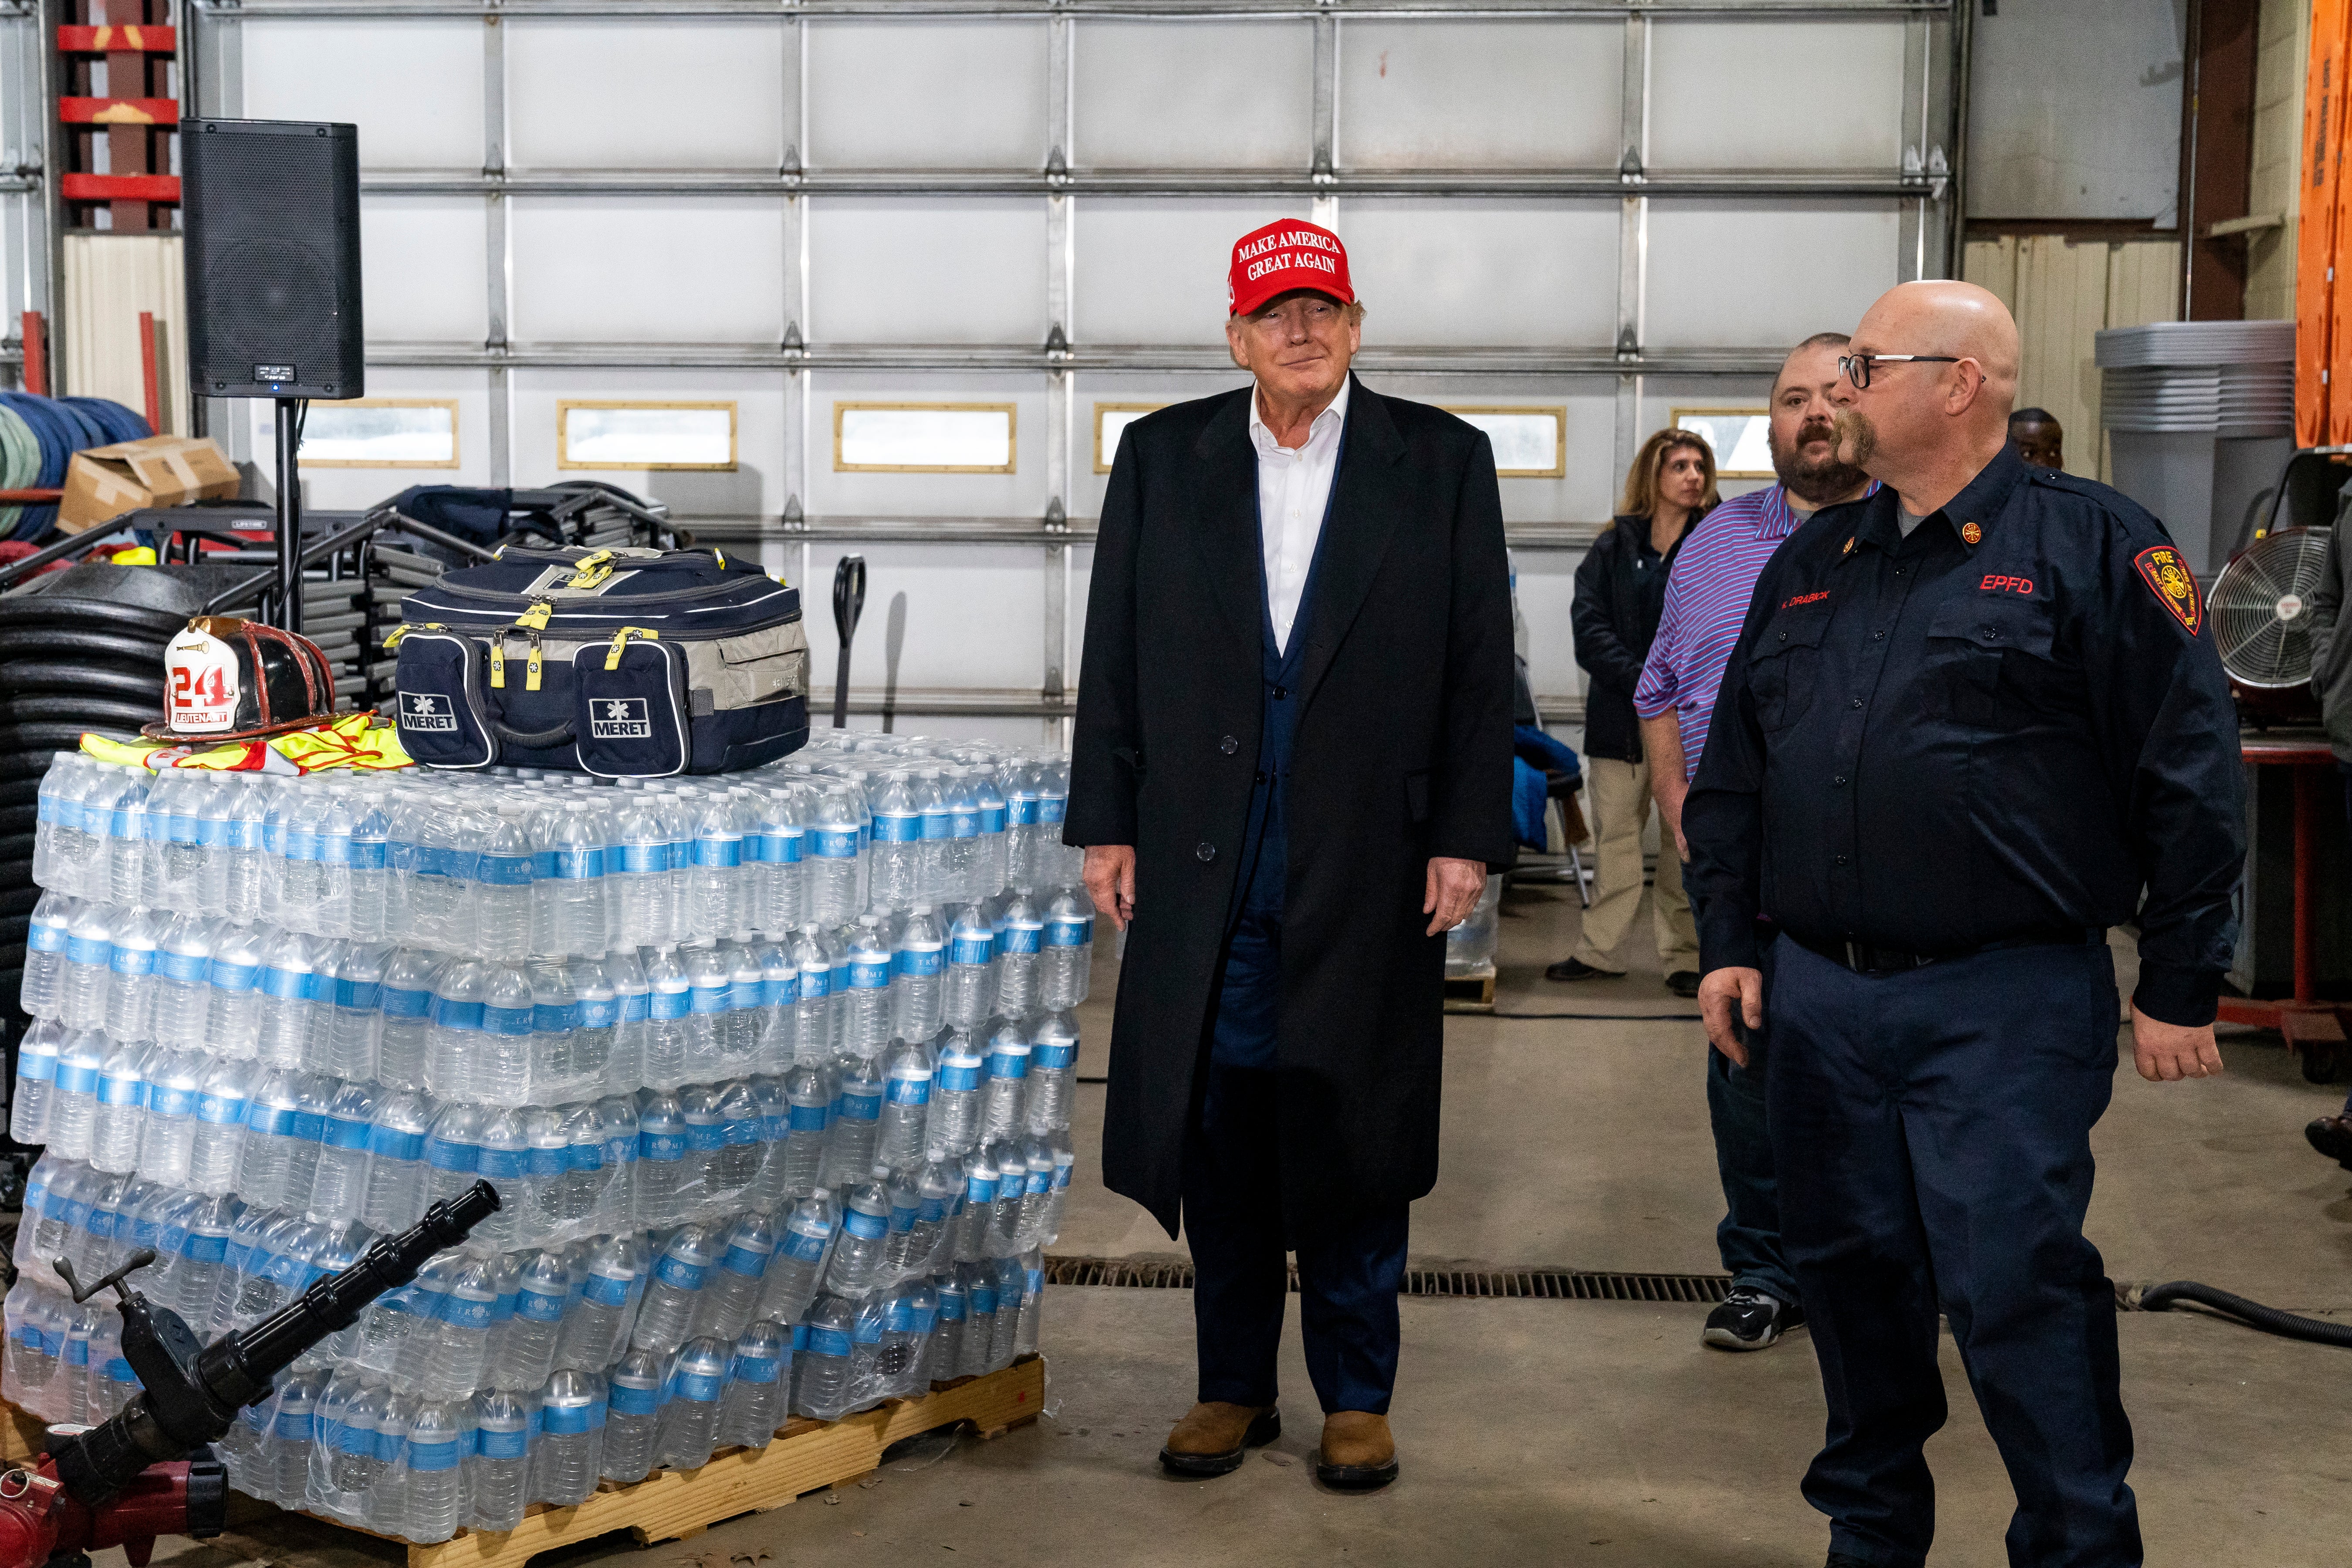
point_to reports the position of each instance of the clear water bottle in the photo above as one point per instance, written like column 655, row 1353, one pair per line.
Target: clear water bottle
column 689, row 1417
column 959, row 1069
column 387, row 1500
column 870, row 986
column 782, row 853
column 369, row 848
column 821, row 1383
column 945, row 1357
column 120, row 1116
column 73, row 1114
column 616, row 1208
column 1003, row 1103
column 634, row 1402
column 715, row 898
column 396, row 1169
column 244, row 876
column 732, row 1289
column 661, row 1166
column 1036, row 1192
column 296, row 881
column 813, row 954
column 131, row 977
column 938, row 1186
column 570, row 890
column 89, row 949
column 502, row 1158
column 272, row 1135
column 547, row 1174
column 735, row 1162
column 37, row 1082
column 624, row 1063
column 992, row 868
column 737, row 1028
column 907, row 1069
column 293, row 1434
column 501, row 1075
column 1053, row 1072
column 698, row 1105
column 636, row 871
column 355, row 1021
column 836, row 843
column 217, row 1150
column 1011, row 1193
column 404, row 1002
column 499, row 1467
column 680, row 1277
column 906, row 1322
column 898, row 853
column 1065, row 963
column 858, row 1253
column 167, row 1148
column 1057, row 863
column 452, row 1153
column 669, row 1026
column 555, row 1019
column 1020, row 936
column 570, row 1450
column 939, row 834
column 780, row 991
column 526, row 1351
column 918, row 962
column 288, row 971
column 233, row 979
column 980, row 1179
column 459, row 1354
column 981, row 1304
column 431, row 1460
column 968, row 983
column 708, row 977
column 856, row 1122
column 612, row 1273
column 1025, row 813
column 758, row 1378
column 45, row 939
column 126, row 838
column 502, row 886
column 809, row 1094
column 802, row 1250
column 183, row 954
column 334, row 917
column 597, row 1023
column 339, row 1187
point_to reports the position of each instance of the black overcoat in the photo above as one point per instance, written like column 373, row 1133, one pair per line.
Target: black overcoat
column 1403, row 751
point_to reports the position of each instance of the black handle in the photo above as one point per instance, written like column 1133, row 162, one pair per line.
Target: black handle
column 537, row 740
column 848, row 603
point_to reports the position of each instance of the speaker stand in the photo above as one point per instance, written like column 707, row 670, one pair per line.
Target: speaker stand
column 289, row 522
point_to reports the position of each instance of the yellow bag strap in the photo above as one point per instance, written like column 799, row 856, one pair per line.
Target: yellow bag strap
column 499, row 658
column 592, row 569
column 621, row 640
column 534, row 620
column 531, row 676
column 405, row 628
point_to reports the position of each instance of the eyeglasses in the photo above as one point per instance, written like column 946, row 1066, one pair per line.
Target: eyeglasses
column 1855, row 368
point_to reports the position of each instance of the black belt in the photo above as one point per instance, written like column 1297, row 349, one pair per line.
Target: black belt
column 1877, row 958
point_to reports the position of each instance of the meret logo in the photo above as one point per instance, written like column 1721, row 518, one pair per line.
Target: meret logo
column 619, row 719
column 426, row 710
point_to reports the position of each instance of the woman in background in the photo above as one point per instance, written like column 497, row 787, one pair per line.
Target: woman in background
column 1620, row 590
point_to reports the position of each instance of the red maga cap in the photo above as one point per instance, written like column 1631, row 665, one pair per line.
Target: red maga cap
column 1283, row 256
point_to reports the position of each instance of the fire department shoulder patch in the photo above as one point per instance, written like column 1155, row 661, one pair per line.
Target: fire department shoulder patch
column 2168, row 578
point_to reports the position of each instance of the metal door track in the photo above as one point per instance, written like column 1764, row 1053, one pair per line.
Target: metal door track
column 1150, row 1273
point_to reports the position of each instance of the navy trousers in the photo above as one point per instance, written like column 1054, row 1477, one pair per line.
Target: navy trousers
column 1748, row 1239
column 1932, row 1134
column 1349, row 1265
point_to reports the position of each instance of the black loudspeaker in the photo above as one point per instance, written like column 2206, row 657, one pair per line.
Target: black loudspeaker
column 271, row 211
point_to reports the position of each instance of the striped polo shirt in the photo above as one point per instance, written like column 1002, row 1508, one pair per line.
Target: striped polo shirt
column 1707, row 599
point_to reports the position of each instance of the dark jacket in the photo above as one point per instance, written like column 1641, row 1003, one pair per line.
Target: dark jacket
column 1620, row 591
column 1402, row 751
column 2331, row 648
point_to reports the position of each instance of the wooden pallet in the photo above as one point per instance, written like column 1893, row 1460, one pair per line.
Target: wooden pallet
column 672, row 1505
column 1471, row 993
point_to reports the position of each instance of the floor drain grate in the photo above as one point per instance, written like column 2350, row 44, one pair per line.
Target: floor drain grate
column 1489, row 1284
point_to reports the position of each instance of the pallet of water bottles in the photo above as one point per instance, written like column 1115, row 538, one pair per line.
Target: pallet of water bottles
column 772, row 1074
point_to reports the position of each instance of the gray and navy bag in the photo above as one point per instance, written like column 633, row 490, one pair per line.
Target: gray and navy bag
column 637, row 663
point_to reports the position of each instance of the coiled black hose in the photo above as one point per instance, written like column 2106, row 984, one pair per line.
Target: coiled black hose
column 2254, row 1314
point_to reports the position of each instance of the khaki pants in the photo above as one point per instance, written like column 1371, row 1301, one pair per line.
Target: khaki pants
column 1621, row 807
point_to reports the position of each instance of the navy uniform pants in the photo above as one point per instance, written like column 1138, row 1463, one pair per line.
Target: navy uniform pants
column 1349, row 1265
column 1932, row 1130
column 1749, row 1238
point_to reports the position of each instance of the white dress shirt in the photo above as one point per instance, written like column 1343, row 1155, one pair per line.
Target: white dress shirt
column 1294, row 485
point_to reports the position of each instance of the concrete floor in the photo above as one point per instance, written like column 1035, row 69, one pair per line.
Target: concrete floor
column 1604, row 1433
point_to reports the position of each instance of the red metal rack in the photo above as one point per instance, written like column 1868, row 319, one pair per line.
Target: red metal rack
column 135, row 45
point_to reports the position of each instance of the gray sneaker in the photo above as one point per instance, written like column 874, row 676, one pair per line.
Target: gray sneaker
column 1750, row 1319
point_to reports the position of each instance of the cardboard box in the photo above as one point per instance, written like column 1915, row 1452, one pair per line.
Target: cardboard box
column 104, row 482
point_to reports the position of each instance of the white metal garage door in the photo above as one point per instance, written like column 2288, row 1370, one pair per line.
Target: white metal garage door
column 1610, row 211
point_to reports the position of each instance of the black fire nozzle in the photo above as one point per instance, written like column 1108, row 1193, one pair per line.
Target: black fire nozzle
column 192, row 1395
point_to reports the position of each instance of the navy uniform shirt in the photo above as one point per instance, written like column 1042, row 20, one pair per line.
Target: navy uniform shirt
column 2003, row 726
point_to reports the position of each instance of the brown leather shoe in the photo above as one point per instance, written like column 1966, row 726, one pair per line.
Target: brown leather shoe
column 1215, row 1437
column 1357, row 1453
column 2332, row 1136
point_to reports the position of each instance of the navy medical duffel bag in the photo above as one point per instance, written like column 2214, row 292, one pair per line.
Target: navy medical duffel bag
column 618, row 662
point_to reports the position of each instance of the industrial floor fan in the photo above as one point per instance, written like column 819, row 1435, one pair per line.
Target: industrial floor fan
column 2262, row 607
